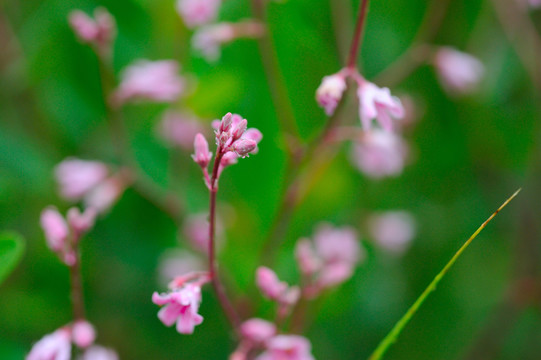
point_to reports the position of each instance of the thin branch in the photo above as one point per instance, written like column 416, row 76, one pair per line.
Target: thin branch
column 357, row 37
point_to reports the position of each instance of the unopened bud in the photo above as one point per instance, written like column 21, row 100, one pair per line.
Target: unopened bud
column 202, row 155
column 239, row 129
column 244, row 146
column 225, row 125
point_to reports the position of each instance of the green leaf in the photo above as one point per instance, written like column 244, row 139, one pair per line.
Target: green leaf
column 399, row 326
column 11, row 250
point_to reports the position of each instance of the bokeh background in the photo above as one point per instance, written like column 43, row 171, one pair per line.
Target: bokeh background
column 469, row 154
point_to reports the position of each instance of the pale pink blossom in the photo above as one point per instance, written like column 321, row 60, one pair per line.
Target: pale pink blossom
column 55, row 346
column 79, row 222
column 55, row 227
column 198, row 12
column 459, row 72
column 392, row 230
column 99, row 31
column 330, row 92
column 97, row 352
column 202, row 154
column 103, row 196
column 287, row 347
column 257, row 330
column 308, row 261
column 378, row 103
column 77, row 177
column 155, row 81
column 243, row 147
column 180, row 306
column 179, row 129
column 83, row 333
column 380, row 154
column 267, row 281
column 209, row 39
column 337, row 244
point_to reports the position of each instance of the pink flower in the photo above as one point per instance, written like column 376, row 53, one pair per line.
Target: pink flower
column 79, row 222
column 380, row 154
column 337, row 245
column 287, row 347
column 308, row 261
column 198, row 12
column 257, row 330
column 330, row 92
column 83, row 334
column 55, row 228
column 268, row 283
column 202, row 154
column 208, row 40
column 97, row 352
column 393, row 230
column 77, row 177
column 181, row 307
column 377, row 103
column 99, row 32
column 103, row 196
column 459, row 73
column 55, row 346
column 179, row 129
column 156, row 81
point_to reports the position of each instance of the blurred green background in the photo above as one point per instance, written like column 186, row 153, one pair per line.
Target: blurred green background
column 470, row 153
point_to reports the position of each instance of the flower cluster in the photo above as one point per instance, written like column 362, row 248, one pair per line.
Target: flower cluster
column 328, row 261
column 92, row 182
column 98, row 32
column 57, row 345
column 62, row 235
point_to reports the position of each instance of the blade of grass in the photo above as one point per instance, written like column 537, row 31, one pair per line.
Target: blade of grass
column 399, row 326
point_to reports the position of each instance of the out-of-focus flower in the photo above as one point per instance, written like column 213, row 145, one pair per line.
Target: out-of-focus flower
column 209, row 39
column 180, row 306
column 202, row 154
column 77, row 177
column 81, row 222
column 274, row 289
column 459, row 73
column 287, row 347
column 198, row 12
column 392, row 230
column 55, row 228
column 175, row 262
column 380, row 154
column 179, row 129
column 55, row 346
column 330, row 92
column 331, row 260
column 155, row 81
column 196, row 230
column 378, row 103
column 83, row 333
column 99, row 31
column 97, row 352
column 103, row 196
column 257, row 330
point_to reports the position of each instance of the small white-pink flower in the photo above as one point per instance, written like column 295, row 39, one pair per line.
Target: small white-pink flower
column 378, row 103
column 156, row 81
column 287, row 347
column 459, row 72
column 380, row 154
column 198, row 12
column 76, row 177
column 83, row 333
column 55, row 346
column 180, row 306
column 179, row 129
column 55, row 228
column 97, row 352
column 330, row 92
column 392, row 230
column 257, row 330
column 99, row 31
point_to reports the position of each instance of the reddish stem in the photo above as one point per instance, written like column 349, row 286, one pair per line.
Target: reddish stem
column 357, row 37
column 226, row 305
column 77, row 301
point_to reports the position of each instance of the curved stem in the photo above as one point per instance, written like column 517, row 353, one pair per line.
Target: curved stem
column 357, row 37
column 218, row 287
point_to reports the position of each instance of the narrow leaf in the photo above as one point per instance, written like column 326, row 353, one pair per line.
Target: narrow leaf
column 11, row 250
column 399, row 326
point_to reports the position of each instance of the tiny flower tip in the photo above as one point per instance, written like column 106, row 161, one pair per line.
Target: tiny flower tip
column 83, row 334
column 330, row 92
column 202, row 155
column 55, row 228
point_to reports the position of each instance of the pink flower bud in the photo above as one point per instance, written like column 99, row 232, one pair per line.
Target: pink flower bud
column 156, row 81
column 55, row 346
column 392, row 230
column 103, row 197
column 287, row 347
column 202, row 155
column 81, row 222
column 377, row 103
column 55, row 228
column 77, row 177
column 239, row 129
column 459, row 73
column 307, row 260
column 268, row 283
column 257, row 330
column 330, row 92
column 83, row 334
column 225, row 124
column 198, row 12
column 83, row 26
column 244, row 146
column 99, row 32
